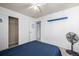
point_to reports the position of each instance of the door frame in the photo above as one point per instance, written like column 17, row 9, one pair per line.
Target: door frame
column 9, row 29
column 38, row 27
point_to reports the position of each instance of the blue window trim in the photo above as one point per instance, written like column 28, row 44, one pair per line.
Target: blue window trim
column 63, row 18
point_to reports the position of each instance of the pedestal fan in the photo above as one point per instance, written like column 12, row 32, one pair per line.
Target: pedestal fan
column 72, row 38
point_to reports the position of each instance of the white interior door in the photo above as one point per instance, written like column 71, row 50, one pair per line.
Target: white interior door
column 32, row 31
column 35, row 31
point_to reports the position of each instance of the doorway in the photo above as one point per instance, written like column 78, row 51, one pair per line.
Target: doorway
column 38, row 30
column 13, row 32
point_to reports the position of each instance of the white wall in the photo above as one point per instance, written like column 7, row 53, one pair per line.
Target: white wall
column 55, row 32
column 24, row 23
column 3, row 33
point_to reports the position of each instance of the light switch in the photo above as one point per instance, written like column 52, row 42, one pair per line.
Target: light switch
column 0, row 20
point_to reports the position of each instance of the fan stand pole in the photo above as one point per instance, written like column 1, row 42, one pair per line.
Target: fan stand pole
column 72, row 47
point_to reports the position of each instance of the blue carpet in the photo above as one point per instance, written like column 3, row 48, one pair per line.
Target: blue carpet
column 34, row 48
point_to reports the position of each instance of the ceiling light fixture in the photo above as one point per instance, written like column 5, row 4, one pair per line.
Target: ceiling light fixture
column 36, row 6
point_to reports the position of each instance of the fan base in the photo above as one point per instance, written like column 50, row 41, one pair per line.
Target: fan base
column 73, row 53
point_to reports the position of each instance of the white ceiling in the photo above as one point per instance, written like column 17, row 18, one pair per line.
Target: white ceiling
column 45, row 8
